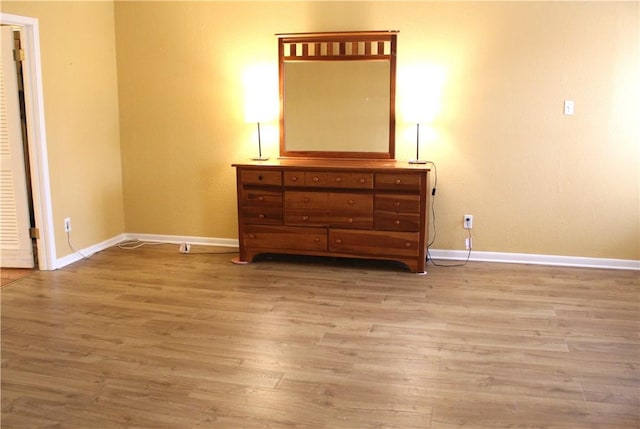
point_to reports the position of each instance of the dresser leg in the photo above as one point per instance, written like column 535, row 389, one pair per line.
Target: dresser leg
column 238, row 261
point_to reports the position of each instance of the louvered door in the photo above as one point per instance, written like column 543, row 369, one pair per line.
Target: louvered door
column 15, row 243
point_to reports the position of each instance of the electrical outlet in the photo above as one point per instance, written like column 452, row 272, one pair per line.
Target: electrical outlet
column 468, row 243
column 67, row 224
column 468, row 221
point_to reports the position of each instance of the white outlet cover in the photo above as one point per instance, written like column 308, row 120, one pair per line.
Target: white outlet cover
column 569, row 107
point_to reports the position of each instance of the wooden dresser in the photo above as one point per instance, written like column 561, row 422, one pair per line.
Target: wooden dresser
column 355, row 209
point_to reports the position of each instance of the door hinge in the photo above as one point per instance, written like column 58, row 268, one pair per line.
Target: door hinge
column 34, row 233
column 18, row 55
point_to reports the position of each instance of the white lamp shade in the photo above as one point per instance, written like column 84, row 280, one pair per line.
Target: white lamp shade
column 260, row 93
column 421, row 93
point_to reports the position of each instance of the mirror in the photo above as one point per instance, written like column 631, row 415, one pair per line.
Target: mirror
column 337, row 95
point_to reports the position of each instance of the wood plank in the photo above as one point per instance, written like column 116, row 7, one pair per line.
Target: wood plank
column 154, row 338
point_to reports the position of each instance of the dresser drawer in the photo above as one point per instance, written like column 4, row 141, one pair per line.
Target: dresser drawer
column 329, row 179
column 390, row 221
column 261, row 198
column 268, row 215
column 343, row 180
column 361, row 180
column 286, row 238
column 306, row 218
column 398, row 203
column 261, row 177
column 398, row 181
column 306, row 208
column 351, row 210
column 319, row 179
column 294, row 178
column 306, row 200
column 374, row 243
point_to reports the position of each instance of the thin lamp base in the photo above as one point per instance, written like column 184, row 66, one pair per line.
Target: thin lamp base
column 417, row 161
column 260, row 158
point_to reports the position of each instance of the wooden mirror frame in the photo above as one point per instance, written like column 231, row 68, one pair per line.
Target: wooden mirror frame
column 338, row 46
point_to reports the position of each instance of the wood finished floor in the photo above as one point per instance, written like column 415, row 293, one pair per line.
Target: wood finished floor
column 9, row 275
column 151, row 338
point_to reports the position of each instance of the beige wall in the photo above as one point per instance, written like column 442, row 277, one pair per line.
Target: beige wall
column 535, row 180
column 77, row 43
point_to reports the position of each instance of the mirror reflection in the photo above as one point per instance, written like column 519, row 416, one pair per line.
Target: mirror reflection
column 337, row 106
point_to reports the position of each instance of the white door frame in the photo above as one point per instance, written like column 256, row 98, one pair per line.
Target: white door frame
column 37, row 139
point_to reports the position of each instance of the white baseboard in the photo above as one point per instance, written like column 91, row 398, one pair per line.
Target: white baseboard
column 154, row 238
column 177, row 239
column 88, row 251
column 530, row 258
column 458, row 255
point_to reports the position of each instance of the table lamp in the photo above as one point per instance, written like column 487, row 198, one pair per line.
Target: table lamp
column 259, row 104
column 421, row 99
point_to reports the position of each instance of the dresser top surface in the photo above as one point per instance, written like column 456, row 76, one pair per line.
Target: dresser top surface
column 332, row 164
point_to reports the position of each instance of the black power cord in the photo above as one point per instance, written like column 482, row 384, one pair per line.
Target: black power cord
column 433, row 222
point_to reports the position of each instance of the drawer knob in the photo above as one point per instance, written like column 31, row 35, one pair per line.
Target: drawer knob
column 338, row 241
column 294, row 178
column 338, row 179
column 397, row 221
column 261, row 216
column 361, row 180
column 316, row 239
column 315, row 179
column 350, row 202
column 397, row 204
column 252, row 236
column 305, row 217
column 407, row 244
column 349, row 220
column 397, row 181
column 260, row 198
